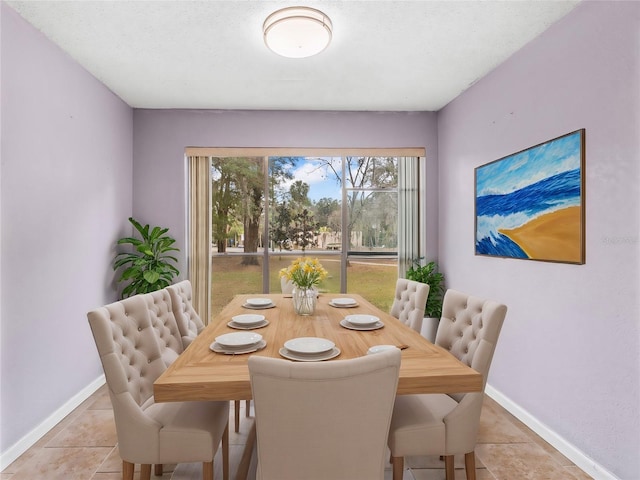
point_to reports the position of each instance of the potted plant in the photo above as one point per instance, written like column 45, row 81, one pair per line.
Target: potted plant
column 149, row 267
column 429, row 274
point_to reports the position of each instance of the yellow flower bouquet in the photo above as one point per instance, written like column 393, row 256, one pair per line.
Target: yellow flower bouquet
column 304, row 272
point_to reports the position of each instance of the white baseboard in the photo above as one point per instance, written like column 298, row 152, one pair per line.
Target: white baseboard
column 582, row 461
column 25, row 443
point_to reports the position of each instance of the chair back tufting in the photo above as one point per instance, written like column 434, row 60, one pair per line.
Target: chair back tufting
column 165, row 325
column 469, row 329
column 409, row 302
column 128, row 348
column 189, row 322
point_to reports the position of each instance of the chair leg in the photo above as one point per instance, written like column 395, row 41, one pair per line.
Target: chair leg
column 157, row 470
column 145, row 471
column 207, row 470
column 449, row 470
column 470, row 465
column 397, row 464
column 225, row 453
column 127, row 470
column 248, row 409
column 236, row 412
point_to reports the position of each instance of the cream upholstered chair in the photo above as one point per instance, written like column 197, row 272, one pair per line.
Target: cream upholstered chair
column 166, row 329
column 323, row 420
column 149, row 432
column 188, row 320
column 409, row 302
column 164, row 323
column 448, row 424
column 286, row 286
column 190, row 326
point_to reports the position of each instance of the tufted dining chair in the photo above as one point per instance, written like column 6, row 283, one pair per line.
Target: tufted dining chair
column 188, row 320
column 190, row 326
column 165, row 325
column 323, row 420
column 409, row 302
column 447, row 425
column 148, row 432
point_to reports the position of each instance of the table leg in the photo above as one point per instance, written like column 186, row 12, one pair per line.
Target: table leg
column 245, row 461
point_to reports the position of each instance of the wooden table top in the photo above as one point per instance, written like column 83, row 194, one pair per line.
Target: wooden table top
column 201, row 374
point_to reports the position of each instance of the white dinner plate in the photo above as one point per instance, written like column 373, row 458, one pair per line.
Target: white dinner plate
column 351, row 305
column 248, row 319
column 253, row 326
column 308, row 345
column 362, row 320
column 319, row 357
column 259, row 302
column 216, row 347
column 343, row 302
column 351, row 326
column 380, row 348
column 238, row 339
column 255, row 307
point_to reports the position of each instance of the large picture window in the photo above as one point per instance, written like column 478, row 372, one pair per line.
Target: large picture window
column 267, row 210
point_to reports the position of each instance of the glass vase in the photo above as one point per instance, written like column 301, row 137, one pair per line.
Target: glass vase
column 304, row 300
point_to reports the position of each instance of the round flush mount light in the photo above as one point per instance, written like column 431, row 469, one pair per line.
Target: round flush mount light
column 297, row 32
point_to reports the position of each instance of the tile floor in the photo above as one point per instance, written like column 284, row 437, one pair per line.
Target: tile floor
column 83, row 447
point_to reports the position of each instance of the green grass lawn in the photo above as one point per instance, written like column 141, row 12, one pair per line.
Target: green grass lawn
column 374, row 279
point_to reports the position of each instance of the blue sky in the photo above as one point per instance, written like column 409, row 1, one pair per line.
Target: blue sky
column 525, row 168
column 321, row 180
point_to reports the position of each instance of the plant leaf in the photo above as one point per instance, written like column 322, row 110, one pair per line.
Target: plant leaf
column 151, row 276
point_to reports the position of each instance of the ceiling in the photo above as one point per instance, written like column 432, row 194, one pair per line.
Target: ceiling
column 385, row 55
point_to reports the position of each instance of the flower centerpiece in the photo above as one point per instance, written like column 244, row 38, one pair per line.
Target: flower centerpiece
column 305, row 274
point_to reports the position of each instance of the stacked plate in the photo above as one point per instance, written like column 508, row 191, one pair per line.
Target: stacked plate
column 361, row 322
column 248, row 321
column 309, row 349
column 380, row 348
column 343, row 302
column 238, row 342
column 258, row 303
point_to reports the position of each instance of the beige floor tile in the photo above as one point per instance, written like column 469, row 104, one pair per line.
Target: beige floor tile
column 508, row 449
column 62, row 464
column 439, row 474
column 92, row 428
column 112, row 463
column 524, row 461
column 101, row 400
column 496, row 427
column 434, row 462
column 406, row 475
column 578, row 473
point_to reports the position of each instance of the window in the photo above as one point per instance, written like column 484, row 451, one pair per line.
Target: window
column 344, row 210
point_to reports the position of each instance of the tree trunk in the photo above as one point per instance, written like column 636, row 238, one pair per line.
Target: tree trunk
column 251, row 231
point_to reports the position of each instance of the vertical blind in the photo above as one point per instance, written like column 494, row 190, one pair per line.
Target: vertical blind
column 199, row 255
column 408, row 213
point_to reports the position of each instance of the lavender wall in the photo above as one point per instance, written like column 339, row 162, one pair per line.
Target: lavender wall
column 160, row 137
column 65, row 197
column 569, row 352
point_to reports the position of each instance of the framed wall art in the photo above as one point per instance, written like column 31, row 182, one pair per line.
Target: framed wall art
column 531, row 204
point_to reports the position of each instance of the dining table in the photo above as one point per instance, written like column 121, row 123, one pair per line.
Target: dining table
column 202, row 374
column 199, row 373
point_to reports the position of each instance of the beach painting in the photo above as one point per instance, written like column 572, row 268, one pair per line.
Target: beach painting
column 530, row 205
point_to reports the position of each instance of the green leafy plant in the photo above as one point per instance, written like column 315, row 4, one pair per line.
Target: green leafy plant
column 149, row 267
column 429, row 274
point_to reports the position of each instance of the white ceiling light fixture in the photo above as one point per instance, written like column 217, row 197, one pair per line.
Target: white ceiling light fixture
column 297, row 32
